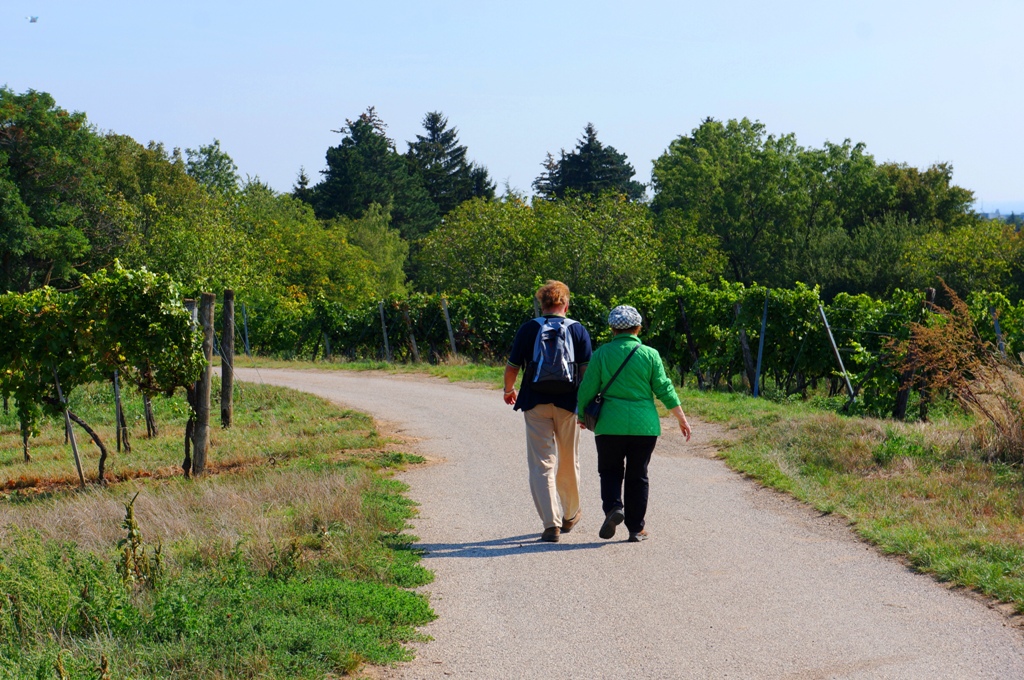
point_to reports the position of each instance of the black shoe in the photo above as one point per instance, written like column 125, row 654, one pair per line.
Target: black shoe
column 638, row 536
column 550, row 535
column 612, row 520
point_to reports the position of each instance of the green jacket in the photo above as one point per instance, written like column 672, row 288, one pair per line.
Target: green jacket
column 629, row 404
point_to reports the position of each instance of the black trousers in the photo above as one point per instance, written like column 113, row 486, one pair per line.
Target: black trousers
column 623, row 458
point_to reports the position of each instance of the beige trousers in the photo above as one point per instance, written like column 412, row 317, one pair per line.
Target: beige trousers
column 552, row 442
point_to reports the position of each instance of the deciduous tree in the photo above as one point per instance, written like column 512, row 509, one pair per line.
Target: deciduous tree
column 739, row 183
column 57, row 219
column 213, row 168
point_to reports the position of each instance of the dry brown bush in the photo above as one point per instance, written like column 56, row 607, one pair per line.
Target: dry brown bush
column 946, row 354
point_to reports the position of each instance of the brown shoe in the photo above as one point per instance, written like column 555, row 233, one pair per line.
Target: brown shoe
column 551, row 535
column 568, row 524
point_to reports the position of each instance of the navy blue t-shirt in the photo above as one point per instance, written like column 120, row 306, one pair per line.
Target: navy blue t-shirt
column 522, row 352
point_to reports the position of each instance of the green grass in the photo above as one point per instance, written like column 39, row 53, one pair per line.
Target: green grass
column 291, row 562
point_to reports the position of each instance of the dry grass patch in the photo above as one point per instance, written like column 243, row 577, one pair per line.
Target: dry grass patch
column 252, row 511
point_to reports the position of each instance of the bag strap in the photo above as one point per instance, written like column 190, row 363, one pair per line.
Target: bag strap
column 619, row 370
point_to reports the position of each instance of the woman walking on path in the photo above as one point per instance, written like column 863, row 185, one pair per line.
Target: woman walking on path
column 628, row 427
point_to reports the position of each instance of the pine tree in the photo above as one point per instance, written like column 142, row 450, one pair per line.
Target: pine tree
column 439, row 159
column 301, row 189
column 365, row 169
column 592, row 168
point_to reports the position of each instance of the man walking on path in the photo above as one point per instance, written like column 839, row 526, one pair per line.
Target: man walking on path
column 554, row 351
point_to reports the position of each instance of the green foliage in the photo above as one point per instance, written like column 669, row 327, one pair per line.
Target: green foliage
column 44, row 335
column 781, row 213
column 135, row 567
column 603, row 246
column 928, row 195
column 981, row 255
column 590, row 169
column 230, row 617
column 56, row 216
column 181, row 228
column 686, row 249
column 251, row 239
column 55, row 587
column 737, row 182
column 489, row 247
column 383, row 245
column 984, row 305
column 139, row 326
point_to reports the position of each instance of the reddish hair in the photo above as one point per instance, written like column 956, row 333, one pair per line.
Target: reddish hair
column 553, row 294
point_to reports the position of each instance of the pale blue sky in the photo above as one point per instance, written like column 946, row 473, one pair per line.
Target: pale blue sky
column 918, row 82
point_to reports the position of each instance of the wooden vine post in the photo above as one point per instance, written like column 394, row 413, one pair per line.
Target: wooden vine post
column 760, row 347
column 245, row 329
column 68, row 432
column 190, row 395
column 384, row 330
column 691, row 345
column 448, row 323
column 748, row 361
column 227, row 360
column 201, row 438
column 121, row 424
column 412, row 338
column 151, row 429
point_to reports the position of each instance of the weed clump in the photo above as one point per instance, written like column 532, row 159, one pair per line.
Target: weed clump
column 897, row 445
column 134, row 566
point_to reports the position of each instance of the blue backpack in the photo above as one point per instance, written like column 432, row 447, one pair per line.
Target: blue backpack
column 554, row 358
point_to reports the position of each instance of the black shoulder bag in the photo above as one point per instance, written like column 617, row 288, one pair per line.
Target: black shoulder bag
column 592, row 411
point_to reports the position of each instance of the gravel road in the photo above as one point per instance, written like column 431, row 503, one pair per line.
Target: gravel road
column 736, row 581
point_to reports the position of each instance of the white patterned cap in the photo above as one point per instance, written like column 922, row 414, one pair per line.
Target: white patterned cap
column 623, row 317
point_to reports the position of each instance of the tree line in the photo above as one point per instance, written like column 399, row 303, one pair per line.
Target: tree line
column 728, row 202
